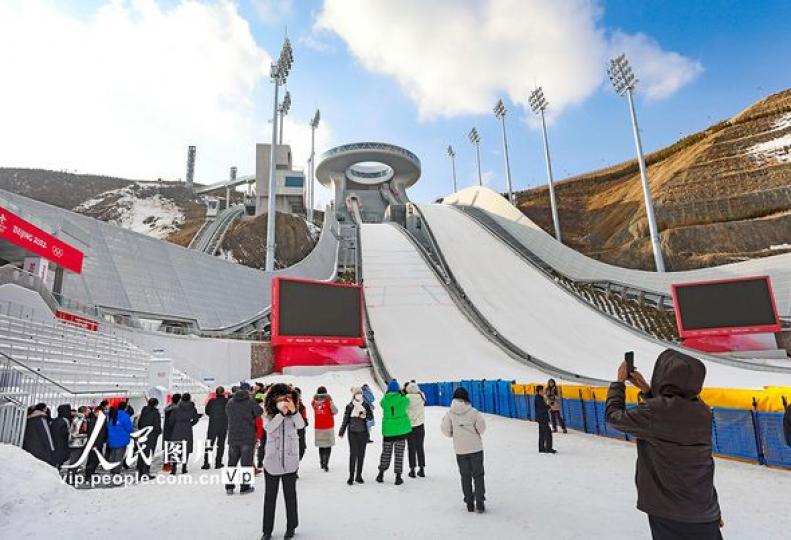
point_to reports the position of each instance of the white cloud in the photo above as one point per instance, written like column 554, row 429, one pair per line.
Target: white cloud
column 125, row 89
column 273, row 12
column 660, row 73
column 453, row 58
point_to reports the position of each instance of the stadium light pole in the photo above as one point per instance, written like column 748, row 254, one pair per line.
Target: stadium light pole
column 539, row 104
column 278, row 74
column 452, row 156
column 475, row 139
column 499, row 113
column 624, row 81
column 283, row 110
column 314, row 124
column 228, row 188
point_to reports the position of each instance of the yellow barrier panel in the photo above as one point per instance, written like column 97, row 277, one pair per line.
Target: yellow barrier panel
column 769, row 399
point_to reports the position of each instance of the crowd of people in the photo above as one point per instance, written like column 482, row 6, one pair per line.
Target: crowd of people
column 264, row 428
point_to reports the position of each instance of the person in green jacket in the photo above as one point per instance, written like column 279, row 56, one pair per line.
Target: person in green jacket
column 396, row 428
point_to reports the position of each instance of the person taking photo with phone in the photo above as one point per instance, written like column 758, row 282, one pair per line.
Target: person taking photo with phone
column 672, row 425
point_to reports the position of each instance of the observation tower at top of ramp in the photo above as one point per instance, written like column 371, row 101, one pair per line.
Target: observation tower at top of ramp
column 374, row 175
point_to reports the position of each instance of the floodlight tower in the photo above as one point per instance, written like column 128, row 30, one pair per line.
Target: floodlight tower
column 314, row 124
column 452, row 156
column 499, row 113
column 475, row 139
column 624, row 81
column 539, row 104
column 190, row 167
column 278, row 74
column 228, row 188
column 283, row 110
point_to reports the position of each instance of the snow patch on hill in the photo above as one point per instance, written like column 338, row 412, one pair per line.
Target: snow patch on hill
column 778, row 149
column 138, row 207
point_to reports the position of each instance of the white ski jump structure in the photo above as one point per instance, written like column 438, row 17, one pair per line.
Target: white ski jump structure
column 422, row 331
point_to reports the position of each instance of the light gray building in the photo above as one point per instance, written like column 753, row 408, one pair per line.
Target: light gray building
column 290, row 192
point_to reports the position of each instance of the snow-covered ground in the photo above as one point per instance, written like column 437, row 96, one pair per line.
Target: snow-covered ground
column 138, row 207
column 585, row 491
column 777, row 149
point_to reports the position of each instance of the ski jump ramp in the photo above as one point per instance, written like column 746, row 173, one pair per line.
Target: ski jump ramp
column 528, row 308
column 420, row 332
column 582, row 268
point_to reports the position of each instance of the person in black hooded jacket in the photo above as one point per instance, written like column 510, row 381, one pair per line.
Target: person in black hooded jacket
column 59, row 428
column 149, row 417
column 218, row 427
column 787, row 425
column 38, row 439
column 542, row 417
column 675, row 468
column 183, row 418
column 242, row 410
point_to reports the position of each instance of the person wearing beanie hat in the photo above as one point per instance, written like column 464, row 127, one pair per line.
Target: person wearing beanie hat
column 465, row 425
column 462, row 394
column 415, row 442
column 395, row 430
column 355, row 419
column 324, row 411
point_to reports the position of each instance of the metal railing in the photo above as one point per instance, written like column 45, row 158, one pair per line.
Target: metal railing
column 22, row 387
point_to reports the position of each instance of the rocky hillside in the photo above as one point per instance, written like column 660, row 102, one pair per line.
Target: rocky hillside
column 721, row 195
column 245, row 241
column 160, row 209
column 152, row 208
column 62, row 189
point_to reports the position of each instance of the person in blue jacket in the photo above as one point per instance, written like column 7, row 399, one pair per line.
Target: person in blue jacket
column 119, row 430
column 369, row 397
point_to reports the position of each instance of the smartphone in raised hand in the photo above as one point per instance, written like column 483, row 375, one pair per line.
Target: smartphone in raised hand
column 628, row 357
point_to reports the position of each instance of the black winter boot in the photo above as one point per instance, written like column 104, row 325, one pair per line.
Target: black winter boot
column 480, row 508
column 184, row 469
column 411, row 472
column 289, row 534
column 350, row 481
column 205, row 466
column 421, row 472
column 380, row 477
column 470, row 507
column 399, row 480
column 359, row 479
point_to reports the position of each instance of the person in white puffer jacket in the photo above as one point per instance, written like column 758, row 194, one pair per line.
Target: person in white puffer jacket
column 417, row 417
column 466, row 425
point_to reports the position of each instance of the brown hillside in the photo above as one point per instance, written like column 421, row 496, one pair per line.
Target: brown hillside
column 62, row 189
column 245, row 241
column 721, row 195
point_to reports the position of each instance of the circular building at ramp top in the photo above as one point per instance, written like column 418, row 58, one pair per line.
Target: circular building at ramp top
column 375, row 174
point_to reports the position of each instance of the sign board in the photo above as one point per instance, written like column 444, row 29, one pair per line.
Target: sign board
column 30, row 238
column 38, row 266
column 77, row 320
column 725, row 307
column 316, row 312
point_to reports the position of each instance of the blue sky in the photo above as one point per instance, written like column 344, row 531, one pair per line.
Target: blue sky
column 704, row 61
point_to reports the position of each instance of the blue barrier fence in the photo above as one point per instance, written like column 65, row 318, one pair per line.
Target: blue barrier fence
column 741, row 433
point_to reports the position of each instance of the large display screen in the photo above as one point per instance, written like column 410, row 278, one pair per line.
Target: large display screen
column 316, row 310
column 729, row 306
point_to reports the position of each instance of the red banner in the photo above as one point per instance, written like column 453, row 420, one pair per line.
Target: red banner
column 76, row 320
column 29, row 237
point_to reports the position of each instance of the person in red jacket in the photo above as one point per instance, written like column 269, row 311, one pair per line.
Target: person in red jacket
column 324, row 411
column 260, row 436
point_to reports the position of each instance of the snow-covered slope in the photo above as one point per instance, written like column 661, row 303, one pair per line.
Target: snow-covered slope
column 145, row 208
column 585, row 491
